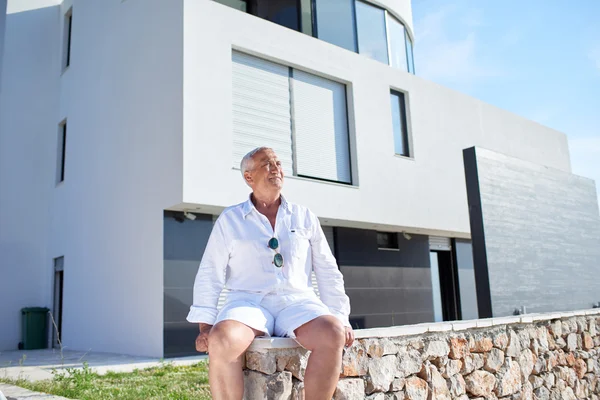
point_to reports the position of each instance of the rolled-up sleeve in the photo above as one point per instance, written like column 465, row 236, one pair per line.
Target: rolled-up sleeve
column 210, row 278
column 329, row 278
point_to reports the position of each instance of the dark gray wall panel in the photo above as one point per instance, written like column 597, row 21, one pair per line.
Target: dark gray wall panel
column 177, row 304
column 377, row 300
column 186, row 240
column 359, row 247
column 385, row 287
column 396, row 319
column 184, row 244
column 179, row 273
column 382, row 277
column 540, row 234
column 179, row 339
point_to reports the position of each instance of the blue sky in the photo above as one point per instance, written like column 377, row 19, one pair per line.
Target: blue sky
column 536, row 58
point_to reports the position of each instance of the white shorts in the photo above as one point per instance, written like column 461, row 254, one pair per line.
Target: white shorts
column 275, row 314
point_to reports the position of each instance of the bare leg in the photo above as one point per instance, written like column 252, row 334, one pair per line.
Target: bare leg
column 325, row 338
column 227, row 342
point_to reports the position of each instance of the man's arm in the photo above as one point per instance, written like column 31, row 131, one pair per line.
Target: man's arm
column 329, row 277
column 210, row 278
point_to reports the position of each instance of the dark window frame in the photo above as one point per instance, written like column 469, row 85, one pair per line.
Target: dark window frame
column 404, row 123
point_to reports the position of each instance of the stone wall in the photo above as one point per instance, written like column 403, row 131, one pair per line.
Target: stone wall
column 542, row 356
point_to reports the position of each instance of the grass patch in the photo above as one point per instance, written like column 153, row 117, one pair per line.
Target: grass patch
column 163, row 382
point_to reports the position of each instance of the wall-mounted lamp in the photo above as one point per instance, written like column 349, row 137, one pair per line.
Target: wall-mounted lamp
column 406, row 235
column 520, row 311
column 189, row 216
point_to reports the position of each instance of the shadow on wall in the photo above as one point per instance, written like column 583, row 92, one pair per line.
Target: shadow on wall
column 25, row 267
column 22, row 283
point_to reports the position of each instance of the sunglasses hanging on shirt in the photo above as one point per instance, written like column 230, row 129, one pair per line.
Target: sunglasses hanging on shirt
column 278, row 258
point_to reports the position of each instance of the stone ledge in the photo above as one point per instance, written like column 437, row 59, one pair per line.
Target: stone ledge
column 263, row 342
column 543, row 356
column 407, row 330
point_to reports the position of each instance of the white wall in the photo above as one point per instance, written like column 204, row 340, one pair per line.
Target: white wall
column 423, row 195
column 122, row 97
column 28, row 131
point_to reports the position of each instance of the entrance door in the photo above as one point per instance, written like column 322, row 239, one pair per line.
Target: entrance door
column 56, row 320
column 446, row 294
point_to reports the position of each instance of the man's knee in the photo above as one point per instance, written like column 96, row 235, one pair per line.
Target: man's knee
column 337, row 333
column 323, row 332
column 229, row 337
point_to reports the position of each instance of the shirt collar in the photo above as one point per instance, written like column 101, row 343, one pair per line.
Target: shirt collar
column 249, row 206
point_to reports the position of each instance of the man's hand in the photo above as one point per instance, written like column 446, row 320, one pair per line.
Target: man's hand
column 349, row 336
column 202, row 339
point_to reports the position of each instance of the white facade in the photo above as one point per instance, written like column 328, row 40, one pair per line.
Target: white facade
column 147, row 99
column 122, row 99
column 442, row 123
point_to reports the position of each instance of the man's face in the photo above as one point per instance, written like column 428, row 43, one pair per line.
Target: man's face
column 266, row 173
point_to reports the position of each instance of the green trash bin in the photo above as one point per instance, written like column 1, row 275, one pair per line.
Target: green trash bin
column 34, row 328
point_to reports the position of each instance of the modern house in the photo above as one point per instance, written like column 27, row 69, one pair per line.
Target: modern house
column 123, row 122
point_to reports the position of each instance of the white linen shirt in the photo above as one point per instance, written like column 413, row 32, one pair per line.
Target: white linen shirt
column 237, row 258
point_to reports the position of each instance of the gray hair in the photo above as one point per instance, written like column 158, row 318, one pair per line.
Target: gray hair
column 247, row 163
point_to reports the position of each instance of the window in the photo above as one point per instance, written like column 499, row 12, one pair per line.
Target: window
column 397, row 36
column 409, row 54
column 303, row 117
column 68, row 22
column 387, row 241
column 261, row 108
column 321, row 128
column 293, row 14
column 306, row 19
column 62, row 146
column 335, row 23
column 399, row 124
column 370, row 25
column 281, row 12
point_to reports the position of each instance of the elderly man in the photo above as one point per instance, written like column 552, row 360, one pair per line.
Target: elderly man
column 263, row 251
